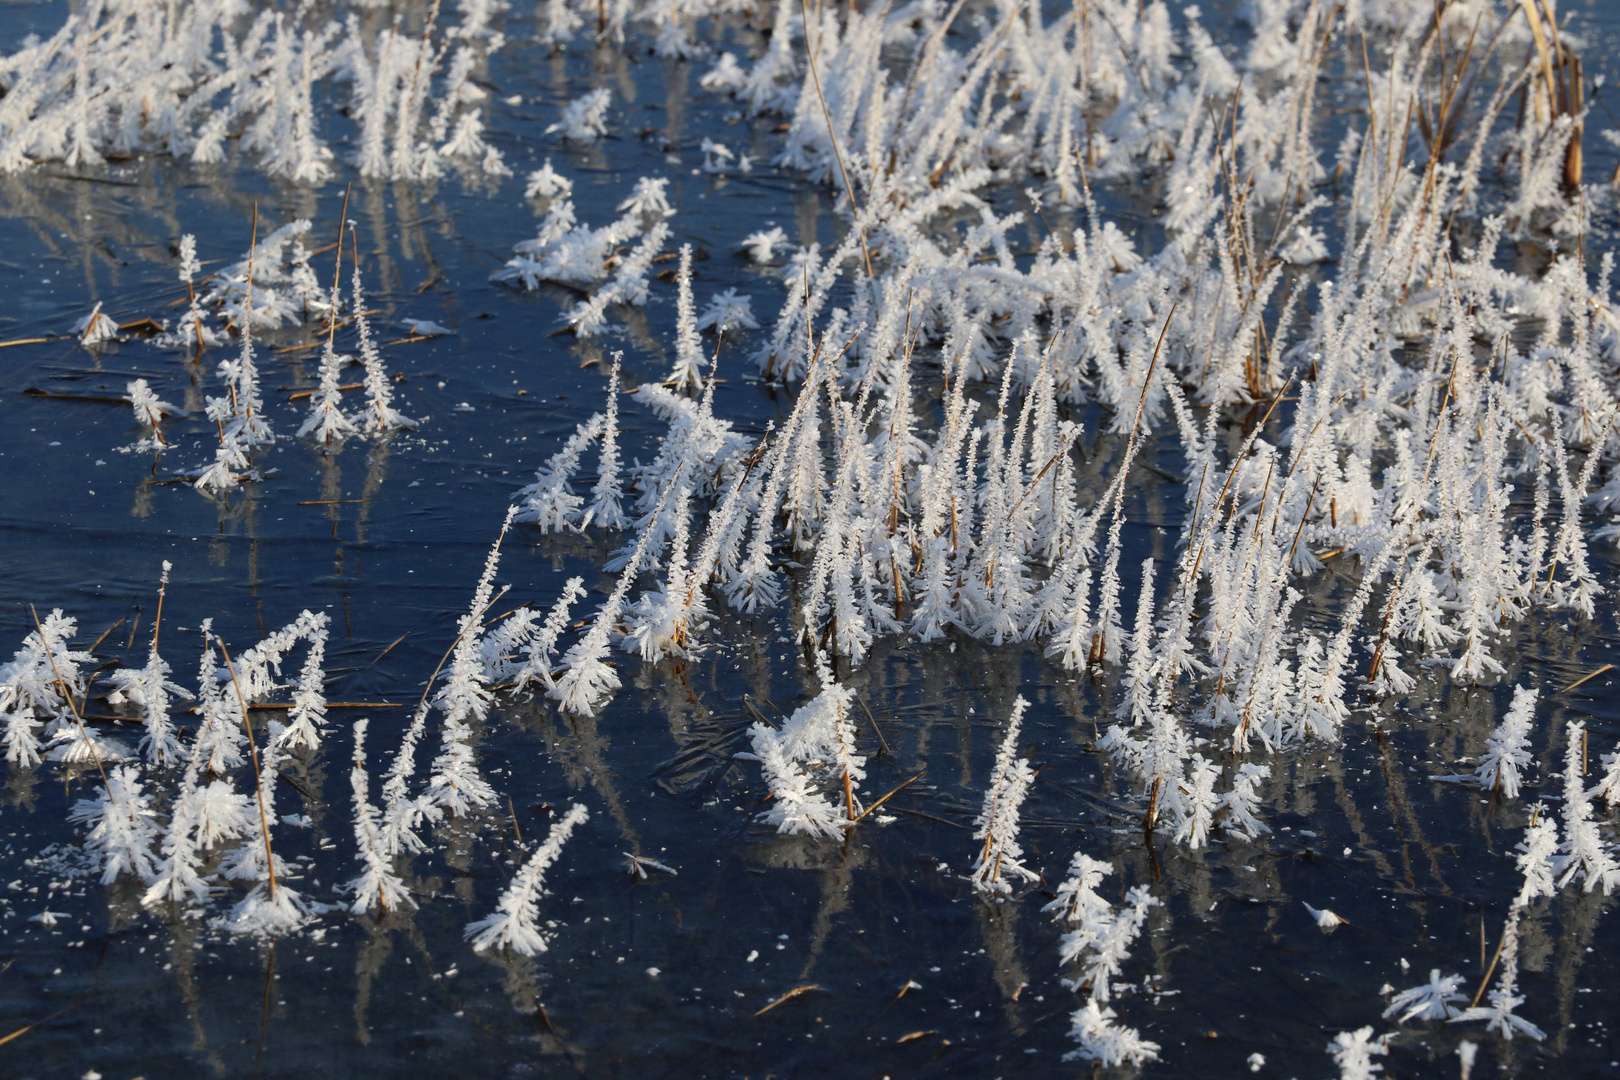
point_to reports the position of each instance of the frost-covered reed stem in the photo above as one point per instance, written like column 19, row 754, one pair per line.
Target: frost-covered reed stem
column 1507, row 749
column 515, row 923
column 380, row 416
column 258, row 774
column 997, row 825
column 326, row 420
column 1583, row 852
column 402, row 813
column 832, row 135
column 589, row 679
column 406, row 116
column 456, row 784
column 377, row 888
column 606, row 509
column 151, row 688
column 67, row 696
column 687, row 375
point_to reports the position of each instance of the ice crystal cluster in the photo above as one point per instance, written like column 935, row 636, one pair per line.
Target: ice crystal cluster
column 125, row 76
column 1327, row 341
column 274, row 285
column 1098, row 945
column 218, row 825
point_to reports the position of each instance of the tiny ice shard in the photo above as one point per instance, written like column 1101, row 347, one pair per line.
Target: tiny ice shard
column 1326, row 919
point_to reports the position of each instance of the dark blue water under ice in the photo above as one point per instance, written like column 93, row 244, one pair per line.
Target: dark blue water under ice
column 664, row 976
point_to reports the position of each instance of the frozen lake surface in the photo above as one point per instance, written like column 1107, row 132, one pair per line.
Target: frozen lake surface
column 746, row 953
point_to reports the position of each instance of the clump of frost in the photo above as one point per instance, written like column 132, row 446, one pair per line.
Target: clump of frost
column 1109, row 1044
column 1583, row 853
column 728, row 311
column 514, row 925
column 34, row 686
column 762, row 246
column 1508, row 749
column 378, row 887
column 576, row 255
column 379, row 416
column 1498, row 1012
column 150, row 414
column 547, row 183
column 1353, row 1053
column 1433, row 1000
column 550, row 502
column 272, row 908
column 1097, row 942
column 1001, row 856
column 585, row 118
column 151, row 689
column 1325, row 918
column 95, row 328
column 326, row 421
column 122, row 826
column 464, row 700
column 815, row 746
